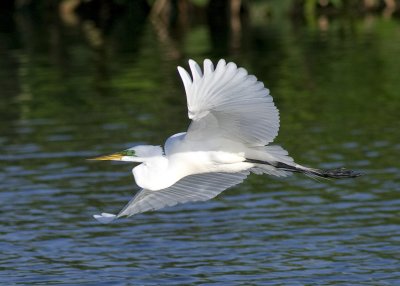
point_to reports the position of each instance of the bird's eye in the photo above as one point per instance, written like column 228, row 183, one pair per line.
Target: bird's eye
column 128, row 153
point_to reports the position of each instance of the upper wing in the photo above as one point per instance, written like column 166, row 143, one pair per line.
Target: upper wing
column 230, row 103
column 200, row 187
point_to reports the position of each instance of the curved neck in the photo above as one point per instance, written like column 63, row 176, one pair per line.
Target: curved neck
column 154, row 174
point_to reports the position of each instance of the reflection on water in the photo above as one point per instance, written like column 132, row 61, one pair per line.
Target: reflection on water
column 71, row 89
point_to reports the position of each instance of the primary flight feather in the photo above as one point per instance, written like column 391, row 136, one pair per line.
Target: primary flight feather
column 234, row 119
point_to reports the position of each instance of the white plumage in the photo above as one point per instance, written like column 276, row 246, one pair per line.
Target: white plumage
column 233, row 119
column 227, row 102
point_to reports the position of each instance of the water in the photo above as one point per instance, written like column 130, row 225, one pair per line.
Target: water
column 70, row 91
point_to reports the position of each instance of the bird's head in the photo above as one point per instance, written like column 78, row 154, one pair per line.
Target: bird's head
column 139, row 153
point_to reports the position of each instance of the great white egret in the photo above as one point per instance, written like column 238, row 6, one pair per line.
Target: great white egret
column 233, row 121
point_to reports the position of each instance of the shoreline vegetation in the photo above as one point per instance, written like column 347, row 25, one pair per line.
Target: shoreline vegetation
column 173, row 20
column 171, row 11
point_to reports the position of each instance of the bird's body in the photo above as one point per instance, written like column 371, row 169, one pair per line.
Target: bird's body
column 233, row 121
column 183, row 158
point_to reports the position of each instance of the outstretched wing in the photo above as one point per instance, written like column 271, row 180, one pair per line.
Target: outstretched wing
column 229, row 102
column 200, row 187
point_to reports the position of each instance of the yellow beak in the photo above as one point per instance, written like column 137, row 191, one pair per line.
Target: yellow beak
column 114, row 157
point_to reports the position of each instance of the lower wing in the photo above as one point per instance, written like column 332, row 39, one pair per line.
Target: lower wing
column 199, row 187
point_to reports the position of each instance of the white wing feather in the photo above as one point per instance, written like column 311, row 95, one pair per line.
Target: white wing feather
column 200, row 187
column 229, row 103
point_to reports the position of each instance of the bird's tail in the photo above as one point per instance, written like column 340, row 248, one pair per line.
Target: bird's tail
column 274, row 160
column 339, row 173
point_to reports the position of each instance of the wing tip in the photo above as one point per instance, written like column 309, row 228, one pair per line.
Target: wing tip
column 197, row 73
column 105, row 217
column 186, row 79
column 181, row 69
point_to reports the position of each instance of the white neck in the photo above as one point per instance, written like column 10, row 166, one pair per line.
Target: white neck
column 154, row 174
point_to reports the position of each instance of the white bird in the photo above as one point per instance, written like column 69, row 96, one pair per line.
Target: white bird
column 233, row 121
